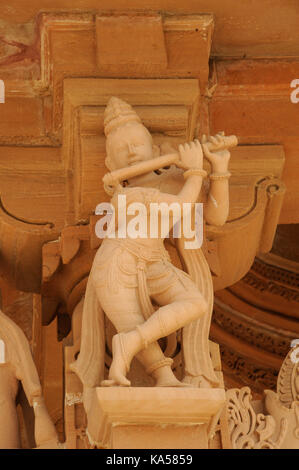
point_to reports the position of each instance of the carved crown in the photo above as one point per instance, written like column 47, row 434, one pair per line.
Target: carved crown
column 118, row 113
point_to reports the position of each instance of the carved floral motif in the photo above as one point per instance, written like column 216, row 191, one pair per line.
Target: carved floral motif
column 272, row 423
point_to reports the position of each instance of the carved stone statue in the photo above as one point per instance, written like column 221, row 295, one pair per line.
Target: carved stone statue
column 16, row 365
column 131, row 275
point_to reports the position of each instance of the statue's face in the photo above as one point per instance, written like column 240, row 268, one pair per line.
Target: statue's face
column 128, row 145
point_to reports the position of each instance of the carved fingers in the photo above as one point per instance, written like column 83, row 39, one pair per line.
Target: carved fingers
column 215, row 150
column 191, row 155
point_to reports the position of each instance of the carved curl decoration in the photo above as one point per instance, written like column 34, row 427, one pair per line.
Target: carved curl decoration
column 288, row 380
column 248, row 429
column 273, row 422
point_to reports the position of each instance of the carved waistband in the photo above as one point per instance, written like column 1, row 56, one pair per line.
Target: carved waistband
column 141, row 251
column 144, row 254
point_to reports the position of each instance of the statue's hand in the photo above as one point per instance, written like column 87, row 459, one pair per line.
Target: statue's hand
column 191, row 155
column 109, row 180
column 215, row 151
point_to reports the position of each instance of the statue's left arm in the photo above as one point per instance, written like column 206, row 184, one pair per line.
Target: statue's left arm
column 217, row 206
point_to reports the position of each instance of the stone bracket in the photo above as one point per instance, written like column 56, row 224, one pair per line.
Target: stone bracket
column 128, row 39
column 146, row 417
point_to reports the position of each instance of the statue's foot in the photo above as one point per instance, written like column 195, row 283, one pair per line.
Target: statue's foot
column 120, row 363
column 172, row 383
column 165, row 377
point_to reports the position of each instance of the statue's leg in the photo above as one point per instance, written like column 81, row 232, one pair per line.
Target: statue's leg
column 123, row 310
column 159, row 366
column 181, row 304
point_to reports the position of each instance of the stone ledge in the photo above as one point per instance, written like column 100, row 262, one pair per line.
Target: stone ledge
column 158, row 410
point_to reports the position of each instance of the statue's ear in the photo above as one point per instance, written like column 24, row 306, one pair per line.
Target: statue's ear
column 156, row 151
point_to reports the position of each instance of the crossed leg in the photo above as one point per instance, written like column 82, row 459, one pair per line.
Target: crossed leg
column 179, row 305
column 123, row 310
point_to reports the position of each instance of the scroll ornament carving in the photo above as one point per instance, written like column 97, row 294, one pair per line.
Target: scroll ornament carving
column 248, row 429
column 277, row 425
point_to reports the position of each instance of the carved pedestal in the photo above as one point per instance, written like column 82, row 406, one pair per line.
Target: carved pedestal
column 153, row 418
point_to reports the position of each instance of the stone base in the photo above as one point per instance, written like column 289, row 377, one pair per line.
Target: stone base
column 153, row 418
